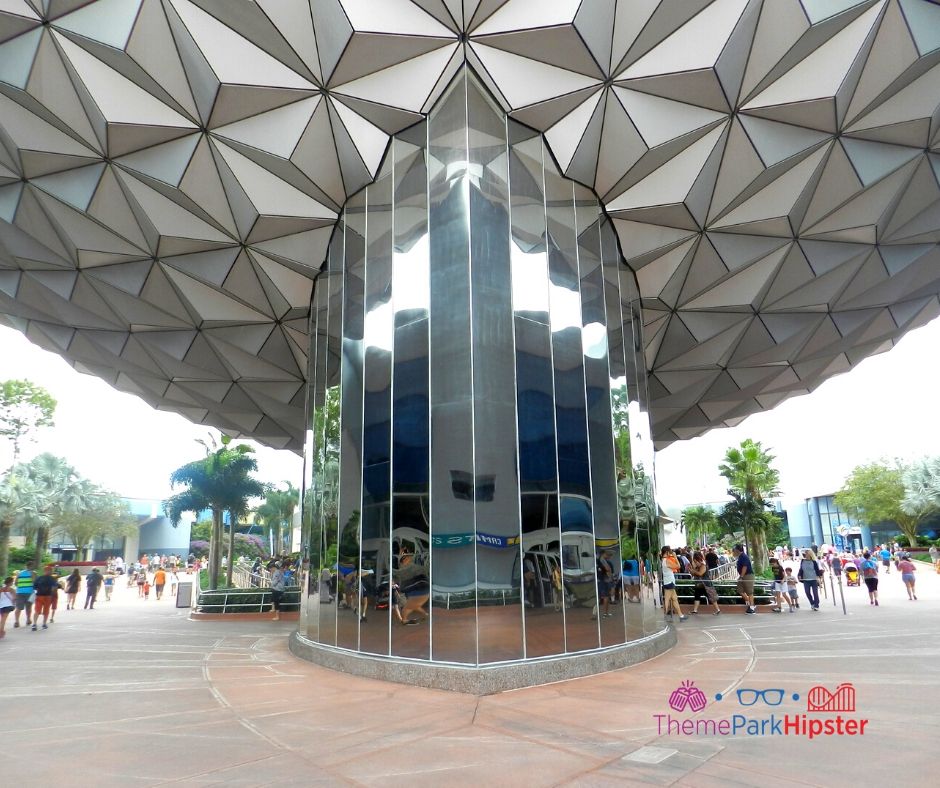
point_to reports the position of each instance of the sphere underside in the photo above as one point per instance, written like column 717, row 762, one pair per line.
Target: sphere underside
column 171, row 172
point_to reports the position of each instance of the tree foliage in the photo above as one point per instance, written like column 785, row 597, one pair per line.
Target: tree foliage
column 277, row 514
column 221, row 482
column 104, row 516
column 922, row 487
column 880, row 492
column 59, row 491
column 753, row 482
column 24, row 408
column 700, row 522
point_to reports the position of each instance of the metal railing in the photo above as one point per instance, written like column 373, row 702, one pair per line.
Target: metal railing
column 723, row 572
column 207, row 601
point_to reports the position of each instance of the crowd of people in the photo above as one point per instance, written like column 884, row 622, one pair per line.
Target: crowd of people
column 31, row 597
column 36, row 594
column 811, row 567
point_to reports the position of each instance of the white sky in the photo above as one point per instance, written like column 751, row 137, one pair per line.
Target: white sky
column 112, row 438
column 885, row 407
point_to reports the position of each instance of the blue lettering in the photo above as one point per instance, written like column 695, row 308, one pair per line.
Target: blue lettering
column 737, row 721
column 775, row 729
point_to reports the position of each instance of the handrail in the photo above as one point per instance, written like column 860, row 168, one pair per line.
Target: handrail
column 723, row 572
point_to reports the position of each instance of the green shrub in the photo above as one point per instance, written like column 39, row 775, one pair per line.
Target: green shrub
column 20, row 555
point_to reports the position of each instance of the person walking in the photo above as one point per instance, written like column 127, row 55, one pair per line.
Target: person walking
column 55, row 594
column 159, row 581
column 870, row 574
column 745, row 578
column 278, row 584
column 809, row 575
column 73, row 584
column 108, row 585
column 24, row 594
column 7, row 603
column 45, row 586
column 605, row 578
column 704, row 588
column 670, row 565
column 907, row 569
column 885, row 558
column 92, row 584
column 780, row 586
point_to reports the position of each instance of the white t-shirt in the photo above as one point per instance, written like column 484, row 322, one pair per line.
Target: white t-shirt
column 669, row 577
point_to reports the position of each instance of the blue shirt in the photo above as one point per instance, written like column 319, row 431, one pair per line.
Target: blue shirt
column 885, row 555
column 744, row 563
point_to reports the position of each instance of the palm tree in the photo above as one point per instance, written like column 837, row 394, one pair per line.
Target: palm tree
column 58, row 490
column 749, row 472
column 277, row 513
column 921, row 495
column 221, row 482
column 699, row 522
column 19, row 498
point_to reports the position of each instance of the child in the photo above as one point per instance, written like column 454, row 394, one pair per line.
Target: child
column 146, row 587
column 7, row 603
column 780, row 586
column 108, row 586
column 174, row 580
column 791, row 590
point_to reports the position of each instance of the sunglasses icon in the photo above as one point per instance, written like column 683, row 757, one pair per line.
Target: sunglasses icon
column 771, row 697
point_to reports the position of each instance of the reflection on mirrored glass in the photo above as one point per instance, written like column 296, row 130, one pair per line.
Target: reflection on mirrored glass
column 480, row 456
column 375, row 565
column 337, row 582
column 499, row 615
column 453, row 533
column 411, row 545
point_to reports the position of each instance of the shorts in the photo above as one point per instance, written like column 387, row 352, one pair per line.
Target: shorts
column 907, row 577
column 631, row 580
column 42, row 606
column 780, row 587
column 670, row 594
column 8, row 609
column 793, row 594
column 746, row 585
column 886, row 562
column 22, row 601
column 276, row 598
column 872, row 583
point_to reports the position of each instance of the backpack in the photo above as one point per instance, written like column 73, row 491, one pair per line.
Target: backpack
column 869, row 568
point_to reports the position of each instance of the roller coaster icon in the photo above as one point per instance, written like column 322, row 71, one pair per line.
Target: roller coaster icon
column 821, row 699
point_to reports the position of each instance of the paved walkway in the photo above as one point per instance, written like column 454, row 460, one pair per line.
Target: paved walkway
column 134, row 693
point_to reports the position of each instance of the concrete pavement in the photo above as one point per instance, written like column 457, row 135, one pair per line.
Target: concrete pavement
column 134, row 693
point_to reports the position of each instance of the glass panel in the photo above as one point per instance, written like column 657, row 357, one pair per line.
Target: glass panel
column 453, row 565
column 499, row 614
column 327, row 418
column 631, row 588
column 542, row 576
column 411, row 428
column 339, row 583
column 597, row 391
column 318, row 323
column 574, row 474
column 378, row 336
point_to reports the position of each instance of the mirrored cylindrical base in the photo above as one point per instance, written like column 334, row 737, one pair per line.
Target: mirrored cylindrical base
column 485, row 679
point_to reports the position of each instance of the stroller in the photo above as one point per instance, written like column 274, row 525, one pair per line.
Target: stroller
column 852, row 575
